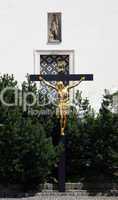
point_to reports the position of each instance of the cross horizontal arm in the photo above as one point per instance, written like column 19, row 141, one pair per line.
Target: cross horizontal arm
column 62, row 77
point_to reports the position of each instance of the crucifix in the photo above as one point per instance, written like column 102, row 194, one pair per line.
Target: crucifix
column 63, row 97
column 62, row 91
column 63, row 100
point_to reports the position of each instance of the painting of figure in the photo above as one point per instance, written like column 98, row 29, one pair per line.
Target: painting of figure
column 54, row 27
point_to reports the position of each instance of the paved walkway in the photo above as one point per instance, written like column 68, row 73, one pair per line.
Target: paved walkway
column 62, row 198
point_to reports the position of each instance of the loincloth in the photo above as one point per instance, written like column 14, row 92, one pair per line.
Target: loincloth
column 64, row 107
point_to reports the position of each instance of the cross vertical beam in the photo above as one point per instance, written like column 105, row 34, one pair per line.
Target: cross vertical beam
column 62, row 166
column 62, row 77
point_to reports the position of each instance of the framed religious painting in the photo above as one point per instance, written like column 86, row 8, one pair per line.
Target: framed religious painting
column 54, row 28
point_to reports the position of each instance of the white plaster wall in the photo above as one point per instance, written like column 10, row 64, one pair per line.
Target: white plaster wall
column 89, row 26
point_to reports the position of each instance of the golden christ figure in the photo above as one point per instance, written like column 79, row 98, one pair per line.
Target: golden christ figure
column 63, row 99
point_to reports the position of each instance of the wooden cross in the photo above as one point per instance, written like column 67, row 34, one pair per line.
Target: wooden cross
column 62, row 77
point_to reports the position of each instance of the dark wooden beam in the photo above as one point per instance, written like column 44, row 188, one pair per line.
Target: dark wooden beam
column 62, row 77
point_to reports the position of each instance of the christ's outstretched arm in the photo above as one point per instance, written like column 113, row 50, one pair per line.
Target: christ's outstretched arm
column 76, row 83
column 47, row 83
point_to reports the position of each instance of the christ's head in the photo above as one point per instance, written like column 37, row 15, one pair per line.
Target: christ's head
column 60, row 85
